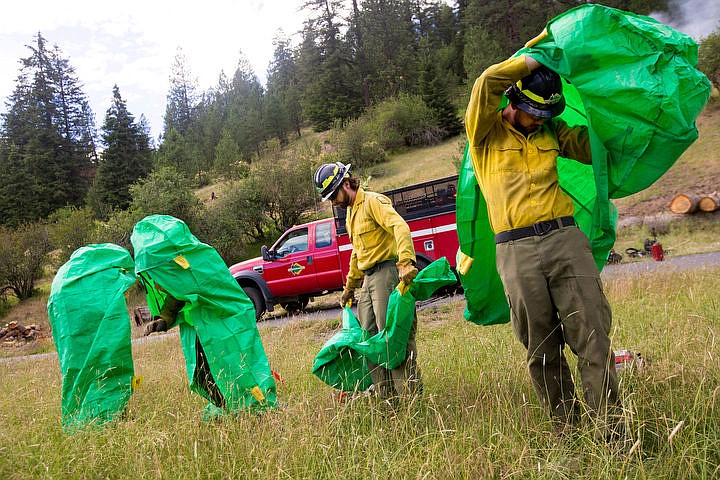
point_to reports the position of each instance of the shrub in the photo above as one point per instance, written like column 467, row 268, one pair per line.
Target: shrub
column 23, row 252
column 69, row 229
column 358, row 147
column 399, row 122
column 165, row 191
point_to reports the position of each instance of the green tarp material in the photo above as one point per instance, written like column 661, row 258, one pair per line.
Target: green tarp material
column 338, row 364
column 217, row 313
column 634, row 82
column 91, row 328
column 342, row 362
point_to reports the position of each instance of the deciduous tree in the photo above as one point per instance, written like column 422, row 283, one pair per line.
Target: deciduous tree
column 709, row 57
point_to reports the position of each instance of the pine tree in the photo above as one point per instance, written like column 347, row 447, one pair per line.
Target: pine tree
column 282, row 98
column 126, row 158
column 51, row 129
column 245, row 119
column 435, row 95
column 180, row 111
column 332, row 89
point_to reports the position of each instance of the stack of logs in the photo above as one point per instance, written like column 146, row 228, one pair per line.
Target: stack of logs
column 691, row 203
column 14, row 331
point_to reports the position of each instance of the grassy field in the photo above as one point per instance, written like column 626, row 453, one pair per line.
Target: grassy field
column 478, row 417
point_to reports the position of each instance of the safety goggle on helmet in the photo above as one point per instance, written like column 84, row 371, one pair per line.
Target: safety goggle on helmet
column 329, row 177
column 539, row 94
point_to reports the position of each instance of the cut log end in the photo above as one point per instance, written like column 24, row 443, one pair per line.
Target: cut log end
column 709, row 203
column 685, row 203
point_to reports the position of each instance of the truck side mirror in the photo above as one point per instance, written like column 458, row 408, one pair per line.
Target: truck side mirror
column 265, row 253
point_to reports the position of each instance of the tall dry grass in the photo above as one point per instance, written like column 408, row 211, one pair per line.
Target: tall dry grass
column 478, row 417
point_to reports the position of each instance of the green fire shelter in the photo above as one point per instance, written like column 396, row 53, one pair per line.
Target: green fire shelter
column 91, row 329
column 633, row 81
column 189, row 285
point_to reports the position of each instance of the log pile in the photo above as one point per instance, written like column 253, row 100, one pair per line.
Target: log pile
column 14, row 332
column 691, row 203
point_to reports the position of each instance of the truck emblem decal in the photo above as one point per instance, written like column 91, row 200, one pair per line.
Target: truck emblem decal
column 296, row 269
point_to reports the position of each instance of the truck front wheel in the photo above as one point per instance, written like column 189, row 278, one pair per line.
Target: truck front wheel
column 257, row 300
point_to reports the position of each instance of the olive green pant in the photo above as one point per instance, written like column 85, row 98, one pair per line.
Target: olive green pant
column 556, row 297
column 404, row 380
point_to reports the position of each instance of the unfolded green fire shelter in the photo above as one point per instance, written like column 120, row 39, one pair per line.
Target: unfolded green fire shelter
column 224, row 355
column 91, row 329
column 342, row 361
column 633, row 81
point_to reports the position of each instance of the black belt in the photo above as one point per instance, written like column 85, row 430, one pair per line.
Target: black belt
column 539, row 229
column 378, row 266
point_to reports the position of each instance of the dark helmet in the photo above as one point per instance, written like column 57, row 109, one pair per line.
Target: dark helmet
column 329, row 176
column 539, row 94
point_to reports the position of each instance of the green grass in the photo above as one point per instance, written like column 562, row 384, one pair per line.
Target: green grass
column 691, row 234
column 418, row 165
column 478, row 417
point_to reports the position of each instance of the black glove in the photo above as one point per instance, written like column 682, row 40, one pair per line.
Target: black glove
column 158, row 325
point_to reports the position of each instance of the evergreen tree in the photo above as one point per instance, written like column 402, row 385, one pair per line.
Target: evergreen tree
column 331, row 85
column 15, row 187
column 245, row 118
column 228, row 160
column 126, row 158
column 180, row 113
column 390, row 47
column 282, row 98
column 50, row 129
column 436, row 96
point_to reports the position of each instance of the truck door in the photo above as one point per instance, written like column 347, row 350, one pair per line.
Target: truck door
column 326, row 257
column 292, row 272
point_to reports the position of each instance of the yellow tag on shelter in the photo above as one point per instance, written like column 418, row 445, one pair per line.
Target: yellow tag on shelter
column 182, row 261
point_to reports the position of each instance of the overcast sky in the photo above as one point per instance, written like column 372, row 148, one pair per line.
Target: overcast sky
column 133, row 43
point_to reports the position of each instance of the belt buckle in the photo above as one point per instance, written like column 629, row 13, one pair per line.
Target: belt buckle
column 541, row 228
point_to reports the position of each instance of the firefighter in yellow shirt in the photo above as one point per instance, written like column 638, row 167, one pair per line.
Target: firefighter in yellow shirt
column 544, row 260
column 383, row 254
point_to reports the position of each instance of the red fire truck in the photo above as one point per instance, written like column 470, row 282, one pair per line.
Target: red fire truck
column 312, row 259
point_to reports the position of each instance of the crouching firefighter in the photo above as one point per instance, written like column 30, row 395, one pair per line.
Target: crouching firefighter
column 188, row 284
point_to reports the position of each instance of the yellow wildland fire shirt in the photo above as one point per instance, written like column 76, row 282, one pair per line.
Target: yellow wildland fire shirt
column 518, row 174
column 377, row 233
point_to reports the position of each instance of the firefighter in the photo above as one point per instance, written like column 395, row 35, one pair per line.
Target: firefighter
column 383, row 254
column 544, row 260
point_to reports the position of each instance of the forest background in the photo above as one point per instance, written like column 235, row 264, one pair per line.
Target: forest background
column 370, row 79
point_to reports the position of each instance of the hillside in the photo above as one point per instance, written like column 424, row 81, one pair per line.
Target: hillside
column 697, row 171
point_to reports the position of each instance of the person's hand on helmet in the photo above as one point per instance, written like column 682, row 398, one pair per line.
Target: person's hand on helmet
column 348, row 296
column 407, row 272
